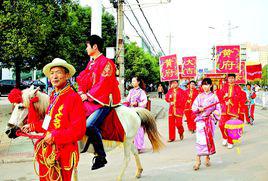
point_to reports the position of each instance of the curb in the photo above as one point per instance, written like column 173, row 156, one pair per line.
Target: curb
column 10, row 160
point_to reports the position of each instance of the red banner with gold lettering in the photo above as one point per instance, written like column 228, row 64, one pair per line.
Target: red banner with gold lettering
column 168, row 68
column 227, row 59
column 189, row 66
column 241, row 76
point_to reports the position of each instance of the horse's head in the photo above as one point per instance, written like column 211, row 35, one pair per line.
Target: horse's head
column 20, row 111
column 19, row 114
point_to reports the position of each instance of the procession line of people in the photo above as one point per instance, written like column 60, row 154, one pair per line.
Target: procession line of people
column 98, row 92
column 229, row 102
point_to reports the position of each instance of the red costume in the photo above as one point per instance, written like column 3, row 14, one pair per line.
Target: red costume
column 191, row 95
column 99, row 82
column 242, row 106
column 230, row 108
column 67, row 125
column 177, row 98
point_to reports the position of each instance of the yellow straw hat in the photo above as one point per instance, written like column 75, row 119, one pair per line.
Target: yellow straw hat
column 58, row 62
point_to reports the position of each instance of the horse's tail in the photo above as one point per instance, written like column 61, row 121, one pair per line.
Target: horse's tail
column 148, row 122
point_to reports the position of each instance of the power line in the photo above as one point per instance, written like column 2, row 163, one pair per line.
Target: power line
column 141, row 27
column 150, row 27
column 138, row 32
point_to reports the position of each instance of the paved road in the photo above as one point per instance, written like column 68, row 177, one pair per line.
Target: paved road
column 176, row 160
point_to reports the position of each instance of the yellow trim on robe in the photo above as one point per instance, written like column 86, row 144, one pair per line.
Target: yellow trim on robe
column 230, row 126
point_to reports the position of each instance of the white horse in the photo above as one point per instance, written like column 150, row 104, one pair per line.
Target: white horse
column 130, row 118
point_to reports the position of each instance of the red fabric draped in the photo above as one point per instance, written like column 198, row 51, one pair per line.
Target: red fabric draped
column 209, row 136
column 254, row 72
column 111, row 128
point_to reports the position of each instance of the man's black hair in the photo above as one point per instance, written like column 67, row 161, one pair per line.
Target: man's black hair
column 95, row 40
column 192, row 81
column 231, row 75
column 249, row 84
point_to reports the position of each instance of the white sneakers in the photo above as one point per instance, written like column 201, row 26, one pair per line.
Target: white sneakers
column 230, row 146
column 224, row 142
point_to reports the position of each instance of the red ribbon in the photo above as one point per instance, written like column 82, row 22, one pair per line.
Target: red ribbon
column 20, row 133
column 197, row 111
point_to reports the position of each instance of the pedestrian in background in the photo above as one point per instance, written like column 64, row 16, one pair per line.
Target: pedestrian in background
column 160, row 91
column 250, row 104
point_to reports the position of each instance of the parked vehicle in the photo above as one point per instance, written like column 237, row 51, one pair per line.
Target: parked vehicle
column 36, row 83
column 7, row 85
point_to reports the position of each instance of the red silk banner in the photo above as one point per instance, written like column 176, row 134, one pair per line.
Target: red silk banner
column 189, row 66
column 227, row 59
column 181, row 76
column 254, row 72
column 168, row 68
column 241, row 76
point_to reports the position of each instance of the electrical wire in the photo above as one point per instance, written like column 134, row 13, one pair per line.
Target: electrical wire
column 150, row 27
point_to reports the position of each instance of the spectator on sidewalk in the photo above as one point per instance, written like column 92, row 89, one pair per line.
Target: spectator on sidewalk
column 160, row 91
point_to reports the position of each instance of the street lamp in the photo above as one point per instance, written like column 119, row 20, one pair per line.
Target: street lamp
column 229, row 31
column 230, row 28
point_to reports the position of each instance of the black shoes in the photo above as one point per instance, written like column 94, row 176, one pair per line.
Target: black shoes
column 98, row 162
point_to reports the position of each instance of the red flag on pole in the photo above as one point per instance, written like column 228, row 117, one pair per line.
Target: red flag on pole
column 254, row 72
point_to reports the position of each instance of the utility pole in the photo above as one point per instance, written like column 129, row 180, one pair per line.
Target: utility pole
column 120, row 45
column 169, row 43
column 96, row 17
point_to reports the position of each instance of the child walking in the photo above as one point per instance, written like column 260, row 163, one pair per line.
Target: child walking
column 206, row 119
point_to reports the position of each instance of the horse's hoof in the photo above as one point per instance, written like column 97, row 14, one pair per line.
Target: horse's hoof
column 139, row 172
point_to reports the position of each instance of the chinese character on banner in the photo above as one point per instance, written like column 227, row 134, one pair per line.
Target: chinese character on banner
column 189, row 66
column 241, row 76
column 168, row 68
column 228, row 59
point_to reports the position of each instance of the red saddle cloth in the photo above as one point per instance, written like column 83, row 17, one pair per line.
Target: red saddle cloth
column 111, row 128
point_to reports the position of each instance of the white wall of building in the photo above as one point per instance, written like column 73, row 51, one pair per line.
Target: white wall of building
column 7, row 73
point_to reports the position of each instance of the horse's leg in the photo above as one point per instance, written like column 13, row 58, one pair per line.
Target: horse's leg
column 127, row 147
column 137, row 159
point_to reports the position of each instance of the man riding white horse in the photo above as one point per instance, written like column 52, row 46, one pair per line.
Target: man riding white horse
column 98, row 88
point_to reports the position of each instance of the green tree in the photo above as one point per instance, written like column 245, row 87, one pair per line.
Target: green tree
column 33, row 32
column 140, row 63
column 265, row 75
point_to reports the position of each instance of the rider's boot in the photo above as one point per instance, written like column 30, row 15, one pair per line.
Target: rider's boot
column 98, row 162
